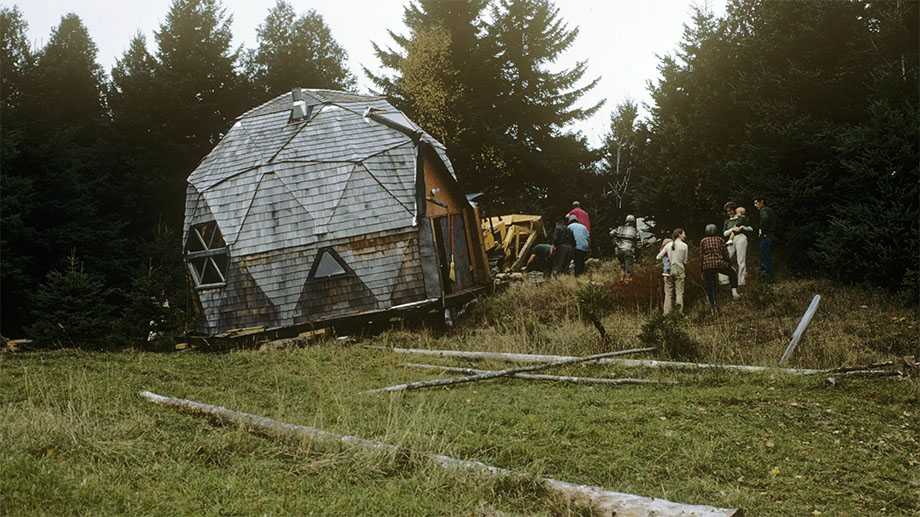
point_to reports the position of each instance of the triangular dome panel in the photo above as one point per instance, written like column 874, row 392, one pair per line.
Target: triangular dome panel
column 274, row 220
column 365, row 207
column 230, row 200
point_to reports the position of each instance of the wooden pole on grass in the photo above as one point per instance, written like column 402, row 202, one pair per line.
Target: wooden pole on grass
column 629, row 363
column 505, row 373
column 801, row 328
column 603, row 501
column 540, row 377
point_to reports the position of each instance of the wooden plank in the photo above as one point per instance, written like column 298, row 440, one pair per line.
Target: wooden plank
column 540, row 377
column 505, row 373
column 630, row 363
column 521, row 260
column 801, row 328
column 604, row 502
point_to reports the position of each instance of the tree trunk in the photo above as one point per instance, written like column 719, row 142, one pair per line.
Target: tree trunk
column 603, row 501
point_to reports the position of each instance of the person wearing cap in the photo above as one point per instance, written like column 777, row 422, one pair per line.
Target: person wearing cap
column 715, row 260
column 580, row 214
column 582, row 243
column 563, row 244
column 626, row 240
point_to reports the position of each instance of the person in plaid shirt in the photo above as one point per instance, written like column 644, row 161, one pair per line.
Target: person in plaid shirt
column 715, row 260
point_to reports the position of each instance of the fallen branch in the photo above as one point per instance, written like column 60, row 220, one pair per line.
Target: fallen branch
column 540, row 377
column 603, row 501
column 633, row 363
column 902, row 367
column 877, row 374
column 505, row 373
column 870, row 373
column 600, row 328
column 868, row 367
column 801, row 328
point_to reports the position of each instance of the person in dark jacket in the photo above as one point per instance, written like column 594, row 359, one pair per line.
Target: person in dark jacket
column 767, row 233
column 714, row 258
column 563, row 244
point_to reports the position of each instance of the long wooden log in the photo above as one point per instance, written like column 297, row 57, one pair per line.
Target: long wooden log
column 801, row 328
column 504, row 373
column 873, row 366
column 632, row 363
column 603, row 501
column 869, row 373
column 540, row 377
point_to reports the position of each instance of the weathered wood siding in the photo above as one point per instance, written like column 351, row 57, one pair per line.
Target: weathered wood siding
column 273, row 288
column 450, row 201
column 283, row 191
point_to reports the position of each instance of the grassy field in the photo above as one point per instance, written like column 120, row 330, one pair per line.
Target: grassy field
column 78, row 440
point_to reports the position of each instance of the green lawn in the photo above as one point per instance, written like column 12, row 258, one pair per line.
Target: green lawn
column 78, row 440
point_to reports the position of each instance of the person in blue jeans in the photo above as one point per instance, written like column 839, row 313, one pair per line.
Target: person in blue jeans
column 582, row 243
column 767, row 231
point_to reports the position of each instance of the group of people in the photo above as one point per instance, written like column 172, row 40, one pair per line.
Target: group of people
column 723, row 255
column 571, row 242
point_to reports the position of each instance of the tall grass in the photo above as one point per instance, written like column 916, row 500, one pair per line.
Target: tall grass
column 77, row 440
column 852, row 326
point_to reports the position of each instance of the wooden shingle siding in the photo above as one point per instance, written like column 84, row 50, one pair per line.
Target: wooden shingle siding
column 275, row 220
column 231, row 200
column 383, row 264
column 336, row 134
column 192, row 198
column 281, row 191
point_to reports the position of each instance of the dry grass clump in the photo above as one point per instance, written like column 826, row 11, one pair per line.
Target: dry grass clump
column 669, row 333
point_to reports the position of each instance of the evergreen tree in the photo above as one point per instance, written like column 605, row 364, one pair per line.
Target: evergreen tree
column 297, row 51
column 200, row 92
column 538, row 102
column 536, row 105
column 17, row 196
column 71, row 309
column 490, row 98
column 70, row 136
column 693, row 128
column 427, row 79
column 451, row 68
column 66, row 156
column 812, row 104
column 137, row 119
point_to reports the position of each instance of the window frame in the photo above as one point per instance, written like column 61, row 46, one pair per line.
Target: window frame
column 208, row 254
column 335, row 256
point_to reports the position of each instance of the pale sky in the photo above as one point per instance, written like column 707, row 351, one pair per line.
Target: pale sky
column 620, row 39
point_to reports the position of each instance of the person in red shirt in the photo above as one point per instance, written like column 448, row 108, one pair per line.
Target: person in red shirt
column 580, row 214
